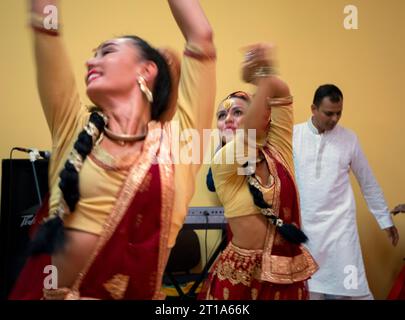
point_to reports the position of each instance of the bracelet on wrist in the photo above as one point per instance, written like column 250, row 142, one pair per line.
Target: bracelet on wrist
column 263, row 72
column 36, row 21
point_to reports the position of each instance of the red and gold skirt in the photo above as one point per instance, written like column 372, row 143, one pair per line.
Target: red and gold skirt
column 235, row 275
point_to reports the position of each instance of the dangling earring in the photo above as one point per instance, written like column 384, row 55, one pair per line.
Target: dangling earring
column 144, row 88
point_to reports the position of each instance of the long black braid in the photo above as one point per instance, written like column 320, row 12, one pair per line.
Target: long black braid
column 289, row 231
column 69, row 176
column 50, row 236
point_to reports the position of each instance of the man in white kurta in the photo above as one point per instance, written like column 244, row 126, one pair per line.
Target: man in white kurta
column 324, row 154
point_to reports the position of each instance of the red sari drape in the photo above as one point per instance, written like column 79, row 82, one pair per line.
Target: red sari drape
column 129, row 259
column 236, row 274
column 128, row 265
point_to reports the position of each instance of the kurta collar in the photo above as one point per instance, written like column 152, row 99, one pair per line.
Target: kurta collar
column 315, row 131
column 311, row 127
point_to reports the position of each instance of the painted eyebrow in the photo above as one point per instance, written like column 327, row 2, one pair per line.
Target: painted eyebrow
column 237, row 108
column 103, row 46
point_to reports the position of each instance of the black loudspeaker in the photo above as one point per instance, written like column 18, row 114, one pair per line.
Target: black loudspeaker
column 186, row 254
column 20, row 200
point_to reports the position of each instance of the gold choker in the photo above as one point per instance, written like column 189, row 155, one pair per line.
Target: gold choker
column 123, row 138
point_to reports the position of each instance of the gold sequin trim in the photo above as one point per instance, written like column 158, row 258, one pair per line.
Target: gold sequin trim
column 226, row 294
column 286, row 270
column 146, row 183
column 60, row 294
column 126, row 195
column 299, row 294
column 117, row 286
column 239, row 268
column 167, row 195
column 254, row 294
column 274, row 152
column 106, row 161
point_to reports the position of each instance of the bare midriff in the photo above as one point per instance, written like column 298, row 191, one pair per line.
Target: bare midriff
column 71, row 261
column 249, row 232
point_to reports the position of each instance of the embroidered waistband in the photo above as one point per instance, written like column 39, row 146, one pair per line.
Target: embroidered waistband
column 63, row 294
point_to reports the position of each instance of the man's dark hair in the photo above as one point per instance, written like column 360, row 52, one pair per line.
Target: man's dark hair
column 327, row 90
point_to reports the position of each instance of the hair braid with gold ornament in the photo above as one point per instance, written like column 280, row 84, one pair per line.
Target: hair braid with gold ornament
column 50, row 236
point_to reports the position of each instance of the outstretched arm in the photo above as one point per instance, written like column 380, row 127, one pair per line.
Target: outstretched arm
column 258, row 70
column 196, row 100
column 55, row 78
column 193, row 24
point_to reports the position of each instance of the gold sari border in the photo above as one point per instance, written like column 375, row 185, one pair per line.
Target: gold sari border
column 167, row 194
column 287, row 270
column 137, row 173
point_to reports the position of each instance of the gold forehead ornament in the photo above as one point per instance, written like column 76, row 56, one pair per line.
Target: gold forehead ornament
column 228, row 103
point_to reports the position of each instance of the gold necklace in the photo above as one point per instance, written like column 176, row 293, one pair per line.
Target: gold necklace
column 123, row 138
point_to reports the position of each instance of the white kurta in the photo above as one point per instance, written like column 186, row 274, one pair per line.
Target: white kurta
column 323, row 163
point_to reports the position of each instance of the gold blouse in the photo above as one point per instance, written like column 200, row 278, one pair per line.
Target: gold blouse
column 231, row 187
column 66, row 117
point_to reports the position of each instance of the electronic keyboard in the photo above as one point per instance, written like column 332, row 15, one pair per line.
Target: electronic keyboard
column 205, row 218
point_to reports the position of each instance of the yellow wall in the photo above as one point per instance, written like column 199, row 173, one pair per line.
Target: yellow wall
column 313, row 48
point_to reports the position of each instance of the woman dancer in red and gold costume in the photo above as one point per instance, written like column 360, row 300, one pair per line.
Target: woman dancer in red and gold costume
column 265, row 259
column 116, row 200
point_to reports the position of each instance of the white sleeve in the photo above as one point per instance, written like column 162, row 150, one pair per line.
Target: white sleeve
column 372, row 192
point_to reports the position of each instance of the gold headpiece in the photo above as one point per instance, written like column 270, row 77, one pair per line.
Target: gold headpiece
column 228, row 103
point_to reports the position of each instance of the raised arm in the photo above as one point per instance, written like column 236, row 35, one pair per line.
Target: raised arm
column 258, row 70
column 271, row 112
column 193, row 24
column 196, row 98
column 55, row 78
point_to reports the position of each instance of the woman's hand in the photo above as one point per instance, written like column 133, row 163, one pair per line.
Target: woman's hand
column 258, row 62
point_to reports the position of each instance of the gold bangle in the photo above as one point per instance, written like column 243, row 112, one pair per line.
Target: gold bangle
column 36, row 21
column 263, row 72
column 277, row 102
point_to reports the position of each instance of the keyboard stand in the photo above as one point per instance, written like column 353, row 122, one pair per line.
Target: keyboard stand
column 204, row 272
column 201, row 218
column 190, row 294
